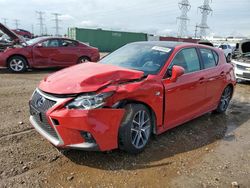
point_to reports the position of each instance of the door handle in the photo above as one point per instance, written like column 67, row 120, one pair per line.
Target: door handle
column 201, row 80
column 222, row 73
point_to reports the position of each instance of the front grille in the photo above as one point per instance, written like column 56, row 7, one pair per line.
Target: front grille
column 246, row 75
column 241, row 67
column 39, row 105
column 47, row 104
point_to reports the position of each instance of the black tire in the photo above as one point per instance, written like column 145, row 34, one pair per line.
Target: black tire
column 224, row 100
column 133, row 137
column 229, row 58
column 17, row 64
column 83, row 59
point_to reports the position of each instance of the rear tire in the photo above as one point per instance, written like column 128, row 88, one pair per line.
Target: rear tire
column 224, row 100
column 83, row 59
column 136, row 129
column 17, row 64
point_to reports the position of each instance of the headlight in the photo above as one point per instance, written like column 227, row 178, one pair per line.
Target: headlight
column 88, row 102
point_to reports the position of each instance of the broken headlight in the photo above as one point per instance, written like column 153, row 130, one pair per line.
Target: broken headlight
column 90, row 101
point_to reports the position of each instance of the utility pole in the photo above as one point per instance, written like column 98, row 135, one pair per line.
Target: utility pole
column 32, row 29
column 184, row 6
column 5, row 21
column 41, row 21
column 56, row 19
column 205, row 10
column 17, row 23
column 195, row 31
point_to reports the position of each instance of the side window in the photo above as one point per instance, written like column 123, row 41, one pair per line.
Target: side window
column 224, row 47
column 68, row 43
column 51, row 43
column 216, row 57
column 208, row 58
column 188, row 59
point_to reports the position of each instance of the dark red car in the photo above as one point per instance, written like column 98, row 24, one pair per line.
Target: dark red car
column 141, row 89
column 23, row 33
column 19, row 55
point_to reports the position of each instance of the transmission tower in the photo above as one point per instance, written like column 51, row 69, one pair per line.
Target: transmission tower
column 184, row 6
column 5, row 21
column 56, row 19
column 17, row 23
column 205, row 11
column 41, row 21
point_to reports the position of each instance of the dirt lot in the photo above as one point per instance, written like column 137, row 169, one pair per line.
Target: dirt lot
column 211, row 151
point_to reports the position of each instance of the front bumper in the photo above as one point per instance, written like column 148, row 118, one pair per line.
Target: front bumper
column 64, row 127
column 242, row 70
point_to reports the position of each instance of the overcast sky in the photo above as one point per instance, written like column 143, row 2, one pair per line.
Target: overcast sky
column 151, row 16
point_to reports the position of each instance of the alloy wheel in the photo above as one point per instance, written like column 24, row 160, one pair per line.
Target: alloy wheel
column 225, row 98
column 17, row 65
column 140, row 129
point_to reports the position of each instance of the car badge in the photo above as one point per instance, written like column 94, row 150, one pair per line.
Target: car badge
column 40, row 101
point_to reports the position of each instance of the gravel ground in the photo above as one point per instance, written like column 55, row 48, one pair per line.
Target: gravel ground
column 210, row 151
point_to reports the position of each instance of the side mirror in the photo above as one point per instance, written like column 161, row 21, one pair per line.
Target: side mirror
column 39, row 45
column 177, row 71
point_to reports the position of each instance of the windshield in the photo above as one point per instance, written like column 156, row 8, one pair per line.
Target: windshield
column 148, row 58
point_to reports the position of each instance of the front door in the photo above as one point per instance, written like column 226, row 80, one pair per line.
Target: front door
column 47, row 53
column 184, row 99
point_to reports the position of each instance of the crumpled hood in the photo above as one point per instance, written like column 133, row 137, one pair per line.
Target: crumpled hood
column 245, row 46
column 87, row 77
column 11, row 34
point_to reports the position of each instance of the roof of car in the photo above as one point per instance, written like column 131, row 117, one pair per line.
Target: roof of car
column 169, row 44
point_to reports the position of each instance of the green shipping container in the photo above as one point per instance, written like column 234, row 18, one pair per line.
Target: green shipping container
column 106, row 41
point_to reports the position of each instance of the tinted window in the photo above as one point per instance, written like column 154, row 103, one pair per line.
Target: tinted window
column 223, row 47
column 51, row 43
column 208, row 58
column 68, row 43
column 188, row 59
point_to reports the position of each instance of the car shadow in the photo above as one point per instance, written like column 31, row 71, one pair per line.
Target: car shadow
column 32, row 71
column 190, row 136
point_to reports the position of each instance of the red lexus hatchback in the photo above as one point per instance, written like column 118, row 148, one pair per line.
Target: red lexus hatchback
column 141, row 89
column 43, row 52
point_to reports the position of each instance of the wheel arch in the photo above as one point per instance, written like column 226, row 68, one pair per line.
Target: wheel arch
column 123, row 103
column 7, row 60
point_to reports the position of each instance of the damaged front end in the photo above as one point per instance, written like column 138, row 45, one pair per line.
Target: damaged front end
column 8, row 39
column 241, row 60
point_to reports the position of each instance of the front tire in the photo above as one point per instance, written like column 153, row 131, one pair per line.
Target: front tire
column 83, row 59
column 225, row 100
column 136, row 128
column 17, row 64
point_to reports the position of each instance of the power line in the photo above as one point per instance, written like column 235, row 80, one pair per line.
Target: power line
column 56, row 19
column 184, row 6
column 205, row 10
column 17, row 23
column 41, row 21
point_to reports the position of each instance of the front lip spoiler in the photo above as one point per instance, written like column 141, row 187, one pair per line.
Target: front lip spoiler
column 53, row 140
column 84, row 146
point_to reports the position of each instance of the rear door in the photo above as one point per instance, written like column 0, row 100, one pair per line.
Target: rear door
column 213, row 74
column 184, row 99
column 69, row 52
